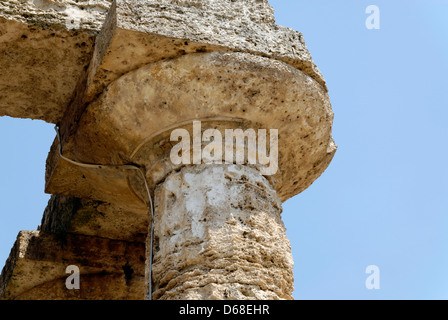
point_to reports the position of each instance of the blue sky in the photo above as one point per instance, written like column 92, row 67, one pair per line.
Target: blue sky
column 383, row 200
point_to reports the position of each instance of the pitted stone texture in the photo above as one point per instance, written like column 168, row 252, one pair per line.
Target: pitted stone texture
column 93, row 218
column 45, row 47
column 36, row 268
column 247, row 26
column 219, row 235
column 140, row 32
column 40, row 69
column 267, row 93
column 62, row 14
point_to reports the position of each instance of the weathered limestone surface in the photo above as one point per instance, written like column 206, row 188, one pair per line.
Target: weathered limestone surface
column 219, row 235
column 93, row 218
column 140, row 109
column 118, row 77
column 43, row 54
column 64, row 15
column 36, row 268
column 141, row 32
column 46, row 46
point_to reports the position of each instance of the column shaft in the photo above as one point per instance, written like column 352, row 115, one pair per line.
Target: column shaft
column 219, row 235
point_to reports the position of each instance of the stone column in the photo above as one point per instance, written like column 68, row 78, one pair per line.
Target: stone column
column 126, row 79
column 218, row 231
column 219, row 235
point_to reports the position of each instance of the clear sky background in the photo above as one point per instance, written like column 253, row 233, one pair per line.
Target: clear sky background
column 384, row 199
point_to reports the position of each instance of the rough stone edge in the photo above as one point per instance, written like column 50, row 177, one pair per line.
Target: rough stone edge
column 57, row 15
column 19, row 258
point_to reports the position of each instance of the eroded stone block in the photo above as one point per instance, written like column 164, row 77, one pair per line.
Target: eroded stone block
column 93, row 218
column 45, row 46
column 36, row 268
